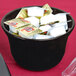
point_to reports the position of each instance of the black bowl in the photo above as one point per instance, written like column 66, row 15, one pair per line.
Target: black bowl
column 35, row 54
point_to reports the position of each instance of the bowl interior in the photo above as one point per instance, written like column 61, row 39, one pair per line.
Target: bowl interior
column 12, row 15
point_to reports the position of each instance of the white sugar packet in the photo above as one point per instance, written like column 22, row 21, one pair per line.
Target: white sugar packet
column 45, row 28
column 33, row 20
column 35, row 11
column 38, row 36
column 57, row 31
column 61, row 17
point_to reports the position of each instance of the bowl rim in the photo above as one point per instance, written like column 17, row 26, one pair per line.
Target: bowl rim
column 2, row 24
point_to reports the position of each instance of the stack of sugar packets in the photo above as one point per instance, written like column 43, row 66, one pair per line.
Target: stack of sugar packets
column 38, row 23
